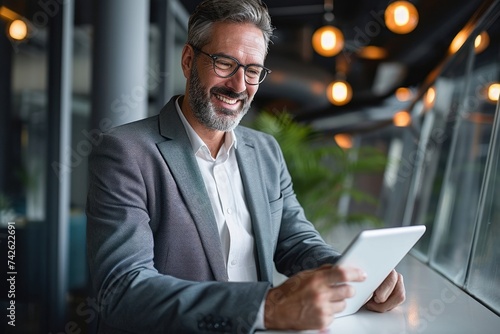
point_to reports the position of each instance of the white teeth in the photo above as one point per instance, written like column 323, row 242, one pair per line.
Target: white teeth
column 226, row 100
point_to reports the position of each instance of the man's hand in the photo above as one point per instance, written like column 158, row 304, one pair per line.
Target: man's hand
column 389, row 294
column 310, row 299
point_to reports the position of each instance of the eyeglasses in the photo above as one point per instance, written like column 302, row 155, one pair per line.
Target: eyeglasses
column 226, row 66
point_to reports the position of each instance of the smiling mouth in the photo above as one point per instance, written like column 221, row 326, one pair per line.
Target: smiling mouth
column 225, row 99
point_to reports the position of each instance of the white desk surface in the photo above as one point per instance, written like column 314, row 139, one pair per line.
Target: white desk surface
column 433, row 305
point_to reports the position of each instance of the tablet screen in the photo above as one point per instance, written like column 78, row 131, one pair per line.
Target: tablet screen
column 376, row 252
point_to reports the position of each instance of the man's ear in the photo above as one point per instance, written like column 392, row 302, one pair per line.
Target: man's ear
column 187, row 60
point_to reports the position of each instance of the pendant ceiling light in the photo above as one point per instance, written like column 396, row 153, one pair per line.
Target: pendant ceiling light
column 401, row 17
column 402, row 119
column 328, row 40
column 339, row 92
column 481, row 42
column 17, row 27
column 493, row 92
column 18, row 30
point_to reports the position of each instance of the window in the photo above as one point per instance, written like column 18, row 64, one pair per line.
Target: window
column 439, row 118
column 484, row 271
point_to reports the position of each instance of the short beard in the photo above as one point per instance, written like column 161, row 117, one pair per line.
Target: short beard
column 220, row 119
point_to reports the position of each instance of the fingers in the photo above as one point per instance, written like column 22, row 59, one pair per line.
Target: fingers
column 385, row 289
column 336, row 279
column 341, row 274
column 310, row 299
column 389, row 294
column 340, row 292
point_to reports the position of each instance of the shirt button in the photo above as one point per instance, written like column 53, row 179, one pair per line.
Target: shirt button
column 233, row 262
column 229, row 211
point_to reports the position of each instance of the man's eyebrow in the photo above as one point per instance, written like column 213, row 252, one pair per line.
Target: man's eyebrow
column 222, row 54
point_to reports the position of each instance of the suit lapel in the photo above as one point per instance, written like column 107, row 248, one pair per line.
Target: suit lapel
column 184, row 168
column 257, row 202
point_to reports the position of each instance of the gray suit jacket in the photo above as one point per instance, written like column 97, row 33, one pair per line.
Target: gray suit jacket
column 154, row 251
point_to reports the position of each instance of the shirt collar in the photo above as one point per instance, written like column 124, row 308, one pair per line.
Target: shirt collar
column 196, row 142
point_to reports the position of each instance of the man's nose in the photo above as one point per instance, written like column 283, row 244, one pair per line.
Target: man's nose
column 237, row 81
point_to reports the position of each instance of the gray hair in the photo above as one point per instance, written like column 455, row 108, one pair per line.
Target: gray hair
column 240, row 11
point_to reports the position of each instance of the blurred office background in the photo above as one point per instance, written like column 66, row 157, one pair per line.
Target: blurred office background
column 418, row 84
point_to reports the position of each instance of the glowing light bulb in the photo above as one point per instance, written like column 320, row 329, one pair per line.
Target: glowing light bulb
column 477, row 41
column 403, row 94
column 481, row 42
column 372, row 52
column 339, row 92
column 401, row 118
column 18, row 30
column 401, row 17
column 343, row 140
column 458, row 41
column 328, row 41
column 493, row 91
column 430, row 98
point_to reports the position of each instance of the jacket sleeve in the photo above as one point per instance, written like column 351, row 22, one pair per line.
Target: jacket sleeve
column 133, row 297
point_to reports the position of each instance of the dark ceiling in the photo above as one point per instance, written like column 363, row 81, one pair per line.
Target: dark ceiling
column 300, row 75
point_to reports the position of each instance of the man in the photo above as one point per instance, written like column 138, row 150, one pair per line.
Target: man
column 188, row 211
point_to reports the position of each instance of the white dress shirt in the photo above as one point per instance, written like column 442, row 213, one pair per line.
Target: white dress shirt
column 224, row 186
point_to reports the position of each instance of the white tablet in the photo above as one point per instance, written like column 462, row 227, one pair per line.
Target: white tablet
column 376, row 252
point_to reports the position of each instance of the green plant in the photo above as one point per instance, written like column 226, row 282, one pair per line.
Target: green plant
column 320, row 169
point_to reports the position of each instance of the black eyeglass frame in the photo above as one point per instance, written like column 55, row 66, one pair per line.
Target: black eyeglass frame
column 214, row 58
